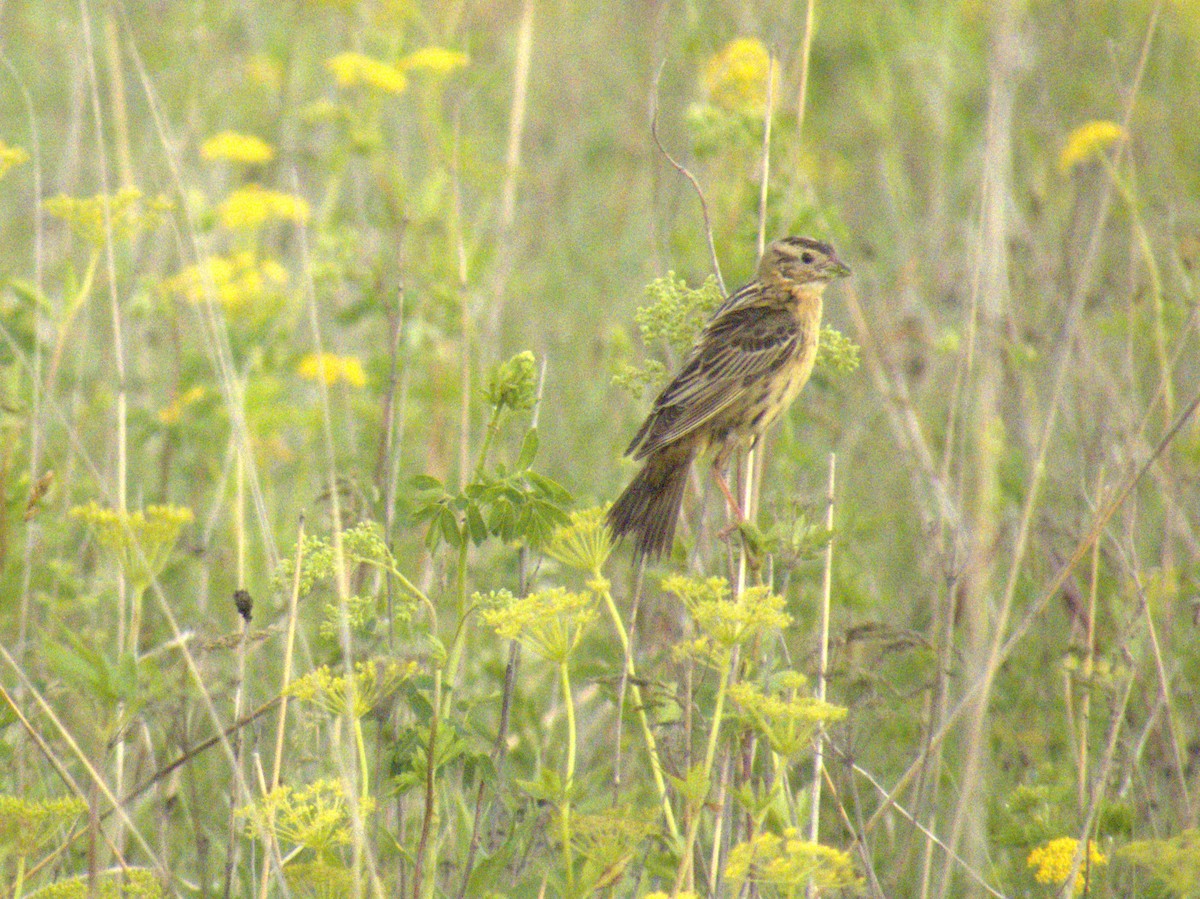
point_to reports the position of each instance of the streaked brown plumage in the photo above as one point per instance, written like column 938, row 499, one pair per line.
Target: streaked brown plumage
column 752, row 358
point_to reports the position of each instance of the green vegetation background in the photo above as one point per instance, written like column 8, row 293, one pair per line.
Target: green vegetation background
column 447, row 185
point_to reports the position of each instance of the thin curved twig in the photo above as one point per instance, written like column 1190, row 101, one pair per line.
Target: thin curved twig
column 712, row 248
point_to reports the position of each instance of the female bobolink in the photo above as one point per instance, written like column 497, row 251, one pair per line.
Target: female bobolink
column 750, row 361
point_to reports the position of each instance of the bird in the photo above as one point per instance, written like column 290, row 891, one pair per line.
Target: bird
column 750, row 361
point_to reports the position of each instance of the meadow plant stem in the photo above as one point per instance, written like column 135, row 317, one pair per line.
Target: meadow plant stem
column 420, row 859
column 814, row 821
column 516, row 116
column 629, row 676
column 564, row 678
column 695, row 809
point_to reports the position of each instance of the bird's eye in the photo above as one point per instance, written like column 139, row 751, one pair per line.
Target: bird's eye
column 807, row 257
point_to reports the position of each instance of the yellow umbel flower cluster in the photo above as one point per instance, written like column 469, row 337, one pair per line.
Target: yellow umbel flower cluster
column 787, row 860
column 735, row 78
column 373, row 681
column 1088, row 140
column 332, row 368
column 237, row 281
column 354, row 69
column 139, row 541
column 10, row 157
column 315, row 816
column 550, row 622
column 1052, row 861
column 584, row 544
column 435, row 60
column 232, row 146
column 125, row 212
column 724, row 621
column 787, row 722
column 252, row 206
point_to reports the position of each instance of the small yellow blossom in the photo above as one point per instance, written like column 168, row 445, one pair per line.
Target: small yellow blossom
column 140, row 542
column 435, row 60
column 1087, row 141
column 736, row 77
column 787, row 722
column 315, row 816
column 585, row 543
column 232, row 146
column 125, row 212
column 27, row 825
column 237, row 282
column 173, row 412
column 10, row 157
column 787, row 860
column 373, row 681
column 1052, row 861
column 724, row 621
column 352, row 69
column 332, row 368
column 550, row 623
column 252, row 206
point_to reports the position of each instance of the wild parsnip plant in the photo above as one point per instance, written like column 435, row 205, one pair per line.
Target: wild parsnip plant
column 323, row 327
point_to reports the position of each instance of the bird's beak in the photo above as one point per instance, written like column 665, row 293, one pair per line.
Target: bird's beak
column 839, row 269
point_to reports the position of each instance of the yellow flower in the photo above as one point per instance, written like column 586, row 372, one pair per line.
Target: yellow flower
column 10, row 156
column 1052, row 861
column 127, row 214
column 736, row 77
column 251, row 206
column 373, row 681
column 234, row 147
column 331, row 368
column 786, row 721
column 550, row 622
column 435, row 60
column 141, row 541
column 789, row 861
column 238, row 281
column 315, row 816
column 585, row 543
column 170, row 414
column 1087, row 141
column 351, row 69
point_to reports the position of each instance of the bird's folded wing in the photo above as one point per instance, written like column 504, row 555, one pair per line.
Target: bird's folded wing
column 735, row 357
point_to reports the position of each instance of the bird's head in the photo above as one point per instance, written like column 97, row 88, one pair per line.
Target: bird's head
column 801, row 260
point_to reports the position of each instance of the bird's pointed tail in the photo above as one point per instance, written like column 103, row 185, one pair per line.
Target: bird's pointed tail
column 649, row 507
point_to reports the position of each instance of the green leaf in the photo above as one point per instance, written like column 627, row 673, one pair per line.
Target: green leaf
column 426, row 482
column 476, row 526
column 529, row 448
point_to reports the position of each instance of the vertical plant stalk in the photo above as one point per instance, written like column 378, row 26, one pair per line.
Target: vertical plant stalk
column 430, row 800
column 32, row 528
column 354, row 775
column 516, row 118
column 237, row 797
column 630, row 677
column 118, row 354
column 564, row 680
column 805, row 55
column 289, row 648
column 1089, row 658
column 814, row 821
column 710, row 753
column 988, row 432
